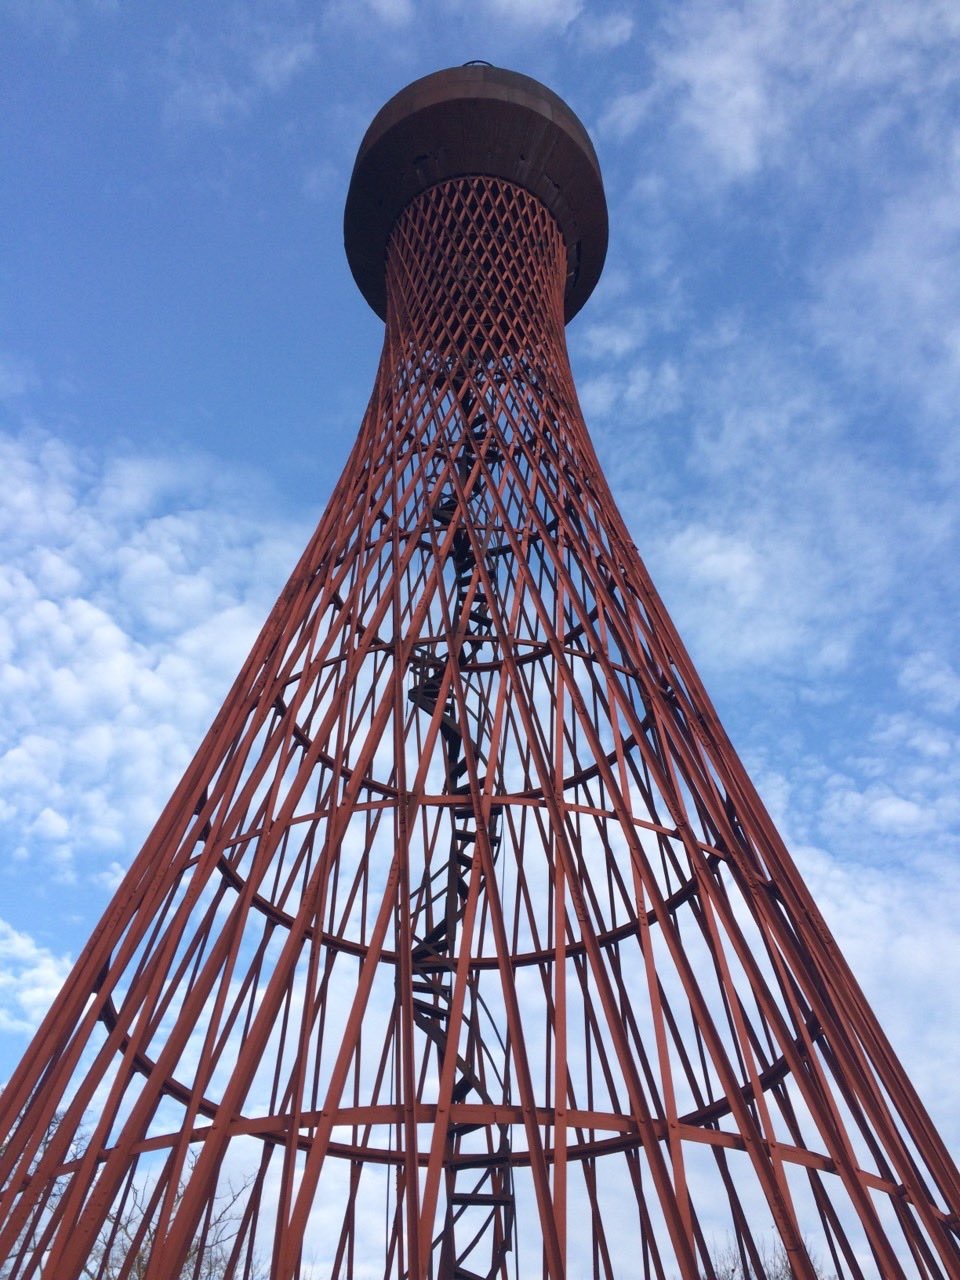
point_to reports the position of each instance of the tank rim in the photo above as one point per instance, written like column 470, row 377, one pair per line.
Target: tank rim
column 476, row 120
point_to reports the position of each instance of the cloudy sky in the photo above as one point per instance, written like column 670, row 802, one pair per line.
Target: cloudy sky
column 769, row 367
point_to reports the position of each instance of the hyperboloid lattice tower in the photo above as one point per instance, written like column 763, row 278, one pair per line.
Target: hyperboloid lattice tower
column 465, row 948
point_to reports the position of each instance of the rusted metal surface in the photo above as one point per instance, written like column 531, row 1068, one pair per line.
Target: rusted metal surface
column 476, row 120
column 465, row 947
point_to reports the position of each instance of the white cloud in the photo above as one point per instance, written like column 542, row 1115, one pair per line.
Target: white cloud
column 605, row 31
column 127, row 610
column 603, row 340
column 724, row 82
column 30, row 977
column 884, row 793
column 16, row 377
column 881, row 809
column 624, row 114
column 320, row 181
column 534, row 13
column 372, row 17
column 50, row 825
column 872, row 815
column 396, row 12
column 890, row 306
column 598, row 395
column 59, row 19
column 211, row 80
column 933, row 679
column 896, row 925
column 754, row 602
column 739, row 82
column 281, row 59
column 204, row 98
column 777, row 538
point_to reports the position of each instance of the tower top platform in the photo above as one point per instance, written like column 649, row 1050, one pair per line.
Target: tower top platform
column 476, row 121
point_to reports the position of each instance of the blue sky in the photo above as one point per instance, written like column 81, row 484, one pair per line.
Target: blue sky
column 770, row 369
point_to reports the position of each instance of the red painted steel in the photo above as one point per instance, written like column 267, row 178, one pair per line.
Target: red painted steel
column 465, row 948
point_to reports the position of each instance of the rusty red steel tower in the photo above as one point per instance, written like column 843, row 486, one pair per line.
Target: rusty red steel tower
column 465, row 948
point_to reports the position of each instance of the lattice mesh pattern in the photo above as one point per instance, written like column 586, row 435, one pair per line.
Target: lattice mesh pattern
column 465, row 948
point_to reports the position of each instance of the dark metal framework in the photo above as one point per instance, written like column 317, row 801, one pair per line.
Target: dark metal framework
column 465, row 948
